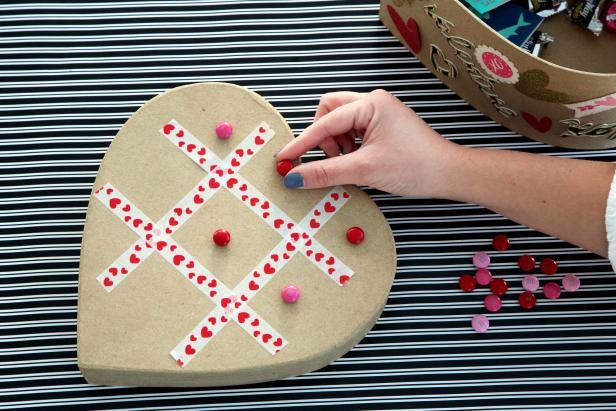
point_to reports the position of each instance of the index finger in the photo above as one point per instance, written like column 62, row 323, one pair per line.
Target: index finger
column 332, row 101
column 352, row 116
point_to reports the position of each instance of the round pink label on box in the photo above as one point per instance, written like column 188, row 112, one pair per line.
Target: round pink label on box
column 496, row 65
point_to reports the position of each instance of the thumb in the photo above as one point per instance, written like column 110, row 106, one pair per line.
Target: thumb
column 333, row 171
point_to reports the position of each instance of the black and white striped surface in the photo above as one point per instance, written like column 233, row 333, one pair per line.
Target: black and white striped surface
column 72, row 73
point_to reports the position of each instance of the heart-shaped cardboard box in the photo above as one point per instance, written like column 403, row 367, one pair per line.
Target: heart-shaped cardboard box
column 127, row 331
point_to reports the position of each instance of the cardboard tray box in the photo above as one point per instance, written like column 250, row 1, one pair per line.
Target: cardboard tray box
column 565, row 98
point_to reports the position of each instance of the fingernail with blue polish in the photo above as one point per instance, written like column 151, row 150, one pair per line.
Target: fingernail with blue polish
column 294, row 180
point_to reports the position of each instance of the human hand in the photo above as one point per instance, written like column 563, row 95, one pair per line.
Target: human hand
column 399, row 152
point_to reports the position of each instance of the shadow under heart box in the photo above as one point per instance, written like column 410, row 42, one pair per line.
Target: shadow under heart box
column 161, row 304
column 565, row 98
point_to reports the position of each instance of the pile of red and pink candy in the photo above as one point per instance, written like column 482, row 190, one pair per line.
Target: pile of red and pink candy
column 499, row 287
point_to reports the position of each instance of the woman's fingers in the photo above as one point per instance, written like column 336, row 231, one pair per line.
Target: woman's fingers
column 332, row 101
column 333, row 171
column 344, row 119
column 330, row 147
column 346, row 142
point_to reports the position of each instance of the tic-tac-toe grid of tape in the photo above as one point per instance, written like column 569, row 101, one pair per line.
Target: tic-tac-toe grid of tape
column 230, row 304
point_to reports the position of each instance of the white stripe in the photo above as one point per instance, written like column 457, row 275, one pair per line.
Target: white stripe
column 104, row 26
column 266, row 33
column 326, row 388
column 131, row 4
column 231, row 78
column 496, row 395
column 191, row 13
column 197, row 46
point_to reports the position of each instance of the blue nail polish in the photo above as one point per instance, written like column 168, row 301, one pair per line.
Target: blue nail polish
column 294, row 180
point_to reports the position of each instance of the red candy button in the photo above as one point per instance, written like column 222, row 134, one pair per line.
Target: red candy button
column 492, row 303
column 548, row 266
column 355, row 235
column 467, row 282
column 527, row 300
column 221, row 237
column 551, row 291
column 284, row 166
column 526, row 263
column 483, row 276
column 499, row 286
column 500, row 242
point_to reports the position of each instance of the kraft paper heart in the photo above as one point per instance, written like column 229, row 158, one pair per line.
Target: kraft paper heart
column 409, row 31
column 534, row 83
column 160, row 304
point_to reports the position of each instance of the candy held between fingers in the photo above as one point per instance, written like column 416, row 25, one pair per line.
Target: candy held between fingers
column 467, row 283
column 221, row 237
column 548, row 266
column 483, row 276
column 492, row 303
column 480, row 323
column 481, row 259
column 355, row 235
column 527, row 300
column 530, row 283
column 284, row 166
column 571, row 282
column 500, row 242
column 551, row 290
column 526, row 263
column 290, row 294
column 224, row 130
column 499, row 286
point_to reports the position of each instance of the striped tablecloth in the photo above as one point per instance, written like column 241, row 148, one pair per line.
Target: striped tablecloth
column 71, row 73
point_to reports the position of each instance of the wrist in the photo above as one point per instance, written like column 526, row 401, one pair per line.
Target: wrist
column 455, row 171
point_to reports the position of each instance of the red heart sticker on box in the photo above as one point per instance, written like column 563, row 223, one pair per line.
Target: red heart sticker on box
column 409, row 31
column 542, row 125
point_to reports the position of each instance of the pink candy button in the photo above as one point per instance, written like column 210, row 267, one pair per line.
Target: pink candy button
column 480, row 323
column 492, row 303
column 481, row 259
column 224, row 130
column 290, row 294
column 551, row 290
column 483, row 276
column 571, row 283
column 530, row 283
